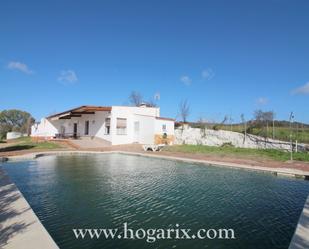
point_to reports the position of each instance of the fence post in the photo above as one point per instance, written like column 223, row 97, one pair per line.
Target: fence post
column 296, row 146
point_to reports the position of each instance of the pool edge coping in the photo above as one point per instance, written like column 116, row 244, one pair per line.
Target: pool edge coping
column 300, row 239
column 32, row 232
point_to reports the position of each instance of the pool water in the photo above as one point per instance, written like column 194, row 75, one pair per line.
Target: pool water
column 107, row 190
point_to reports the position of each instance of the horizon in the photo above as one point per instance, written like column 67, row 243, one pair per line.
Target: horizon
column 179, row 119
column 224, row 58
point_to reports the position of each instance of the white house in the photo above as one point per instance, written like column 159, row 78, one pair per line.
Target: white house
column 114, row 124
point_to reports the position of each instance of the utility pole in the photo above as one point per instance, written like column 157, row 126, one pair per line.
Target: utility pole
column 302, row 131
column 273, row 128
column 291, row 143
column 296, row 130
column 273, row 125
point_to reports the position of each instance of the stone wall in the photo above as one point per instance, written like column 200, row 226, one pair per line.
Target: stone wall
column 13, row 135
column 160, row 139
column 210, row 137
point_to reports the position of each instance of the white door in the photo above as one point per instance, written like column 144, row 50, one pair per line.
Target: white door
column 136, row 131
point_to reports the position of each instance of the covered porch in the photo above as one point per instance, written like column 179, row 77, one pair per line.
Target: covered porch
column 83, row 121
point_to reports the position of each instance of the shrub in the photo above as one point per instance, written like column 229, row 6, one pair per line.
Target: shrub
column 216, row 128
column 227, row 145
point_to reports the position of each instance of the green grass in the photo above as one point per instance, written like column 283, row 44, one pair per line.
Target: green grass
column 281, row 133
column 238, row 152
column 25, row 143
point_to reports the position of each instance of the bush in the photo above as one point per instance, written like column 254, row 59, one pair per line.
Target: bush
column 249, row 130
column 216, row 127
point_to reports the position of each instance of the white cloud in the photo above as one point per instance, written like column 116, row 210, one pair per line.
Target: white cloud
column 208, row 74
column 67, row 76
column 16, row 65
column 262, row 101
column 302, row 90
column 186, row 80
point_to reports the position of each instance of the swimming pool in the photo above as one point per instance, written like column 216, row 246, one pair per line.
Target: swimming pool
column 107, row 190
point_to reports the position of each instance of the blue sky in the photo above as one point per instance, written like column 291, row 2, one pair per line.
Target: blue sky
column 225, row 57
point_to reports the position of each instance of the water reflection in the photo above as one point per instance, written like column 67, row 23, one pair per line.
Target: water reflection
column 104, row 191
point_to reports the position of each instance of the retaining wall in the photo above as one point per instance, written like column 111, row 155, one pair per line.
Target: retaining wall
column 197, row 136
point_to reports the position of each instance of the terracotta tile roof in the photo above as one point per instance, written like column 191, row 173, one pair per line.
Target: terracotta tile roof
column 162, row 118
column 84, row 109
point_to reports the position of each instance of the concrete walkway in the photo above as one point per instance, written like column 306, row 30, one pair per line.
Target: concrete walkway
column 89, row 143
column 300, row 239
column 19, row 226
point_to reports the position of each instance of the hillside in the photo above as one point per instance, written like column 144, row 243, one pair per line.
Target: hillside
column 282, row 130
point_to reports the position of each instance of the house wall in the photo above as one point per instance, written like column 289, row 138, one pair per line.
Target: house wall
column 150, row 111
column 128, row 115
column 144, row 115
column 49, row 128
column 149, row 126
column 96, row 124
column 43, row 129
column 98, row 129
column 169, row 126
column 159, row 137
column 146, row 129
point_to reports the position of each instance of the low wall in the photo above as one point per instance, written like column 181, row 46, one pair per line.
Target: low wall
column 13, row 135
column 197, row 136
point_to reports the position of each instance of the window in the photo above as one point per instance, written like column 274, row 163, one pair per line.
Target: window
column 121, row 126
column 164, row 127
column 107, row 126
column 87, row 127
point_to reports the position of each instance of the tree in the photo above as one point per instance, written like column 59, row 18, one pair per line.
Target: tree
column 263, row 118
column 226, row 117
column 231, row 122
column 3, row 130
column 243, row 120
column 135, row 98
column 219, row 126
column 184, row 110
column 274, row 125
column 268, row 117
column 258, row 116
column 15, row 120
column 202, row 124
column 27, row 126
column 151, row 103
